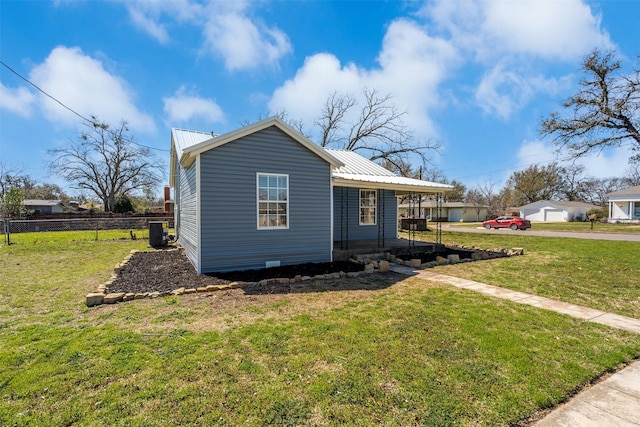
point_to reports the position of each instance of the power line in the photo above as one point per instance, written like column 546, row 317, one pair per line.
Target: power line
column 90, row 121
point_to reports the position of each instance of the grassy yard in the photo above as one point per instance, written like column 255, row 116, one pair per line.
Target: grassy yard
column 595, row 273
column 394, row 351
column 582, row 227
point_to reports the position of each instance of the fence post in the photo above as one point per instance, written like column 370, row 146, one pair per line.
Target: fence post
column 7, row 224
column 97, row 220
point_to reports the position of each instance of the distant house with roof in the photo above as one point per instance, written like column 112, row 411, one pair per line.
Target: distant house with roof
column 447, row 211
column 556, row 211
column 42, row 207
column 624, row 205
column 264, row 195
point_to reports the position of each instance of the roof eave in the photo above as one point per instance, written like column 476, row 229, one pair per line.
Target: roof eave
column 400, row 189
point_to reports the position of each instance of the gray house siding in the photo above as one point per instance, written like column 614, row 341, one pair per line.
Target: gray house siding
column 346, row 213
column 186, row 215
column 230, row 239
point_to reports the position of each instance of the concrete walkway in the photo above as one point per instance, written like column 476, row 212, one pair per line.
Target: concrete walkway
column 614, row 402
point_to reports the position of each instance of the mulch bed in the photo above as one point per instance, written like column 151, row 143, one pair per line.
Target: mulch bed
column 166, row 270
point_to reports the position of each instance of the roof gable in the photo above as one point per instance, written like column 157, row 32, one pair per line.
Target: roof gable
column 217, row 141
column 348, row 167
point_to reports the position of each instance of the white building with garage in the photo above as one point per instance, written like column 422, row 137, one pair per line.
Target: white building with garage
column 556, row 211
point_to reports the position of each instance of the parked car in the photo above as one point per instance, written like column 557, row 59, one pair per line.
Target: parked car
column 512, row 222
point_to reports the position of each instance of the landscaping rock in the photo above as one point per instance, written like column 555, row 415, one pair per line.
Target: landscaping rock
column 453, row 258
column 383, row 266
column 113, row 298
column 369, row 268
column 129, row 296
column 415, row 263
column 516, row 251
column 94, row 299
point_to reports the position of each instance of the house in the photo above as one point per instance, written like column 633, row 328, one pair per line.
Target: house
column 43, row 207
column 624, row 205
column 264, row 195
column 449, row 211
column 556, row 211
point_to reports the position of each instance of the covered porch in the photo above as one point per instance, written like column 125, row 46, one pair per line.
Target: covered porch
column 396, row 246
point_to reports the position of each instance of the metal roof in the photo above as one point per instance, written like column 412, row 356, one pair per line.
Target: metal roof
column 349, row 168
column 361, row 172
column 432, row 204
column 183, row 139
column 354, row 163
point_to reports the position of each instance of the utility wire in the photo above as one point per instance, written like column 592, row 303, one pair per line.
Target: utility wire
column 92, row 122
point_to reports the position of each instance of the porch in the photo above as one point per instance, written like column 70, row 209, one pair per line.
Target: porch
column 342, row 251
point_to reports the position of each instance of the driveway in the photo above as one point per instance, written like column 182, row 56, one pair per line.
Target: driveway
column 546, row 233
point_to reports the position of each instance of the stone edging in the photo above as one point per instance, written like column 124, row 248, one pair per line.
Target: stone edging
column 100, row 296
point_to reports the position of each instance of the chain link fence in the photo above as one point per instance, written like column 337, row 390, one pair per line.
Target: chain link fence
column 15, row 230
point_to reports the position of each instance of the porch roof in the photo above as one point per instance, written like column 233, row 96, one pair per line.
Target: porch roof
column 358, row 171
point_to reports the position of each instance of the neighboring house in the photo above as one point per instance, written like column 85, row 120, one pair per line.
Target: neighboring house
column 449, row 211
column 264, row 195
column 624, row 205
column 47, row 206
column 556, row 211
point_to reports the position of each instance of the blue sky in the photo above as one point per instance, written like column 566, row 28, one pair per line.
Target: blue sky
column 475, row 76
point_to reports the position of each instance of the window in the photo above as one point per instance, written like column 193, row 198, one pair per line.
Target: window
column 273, row 201
column 368, row 204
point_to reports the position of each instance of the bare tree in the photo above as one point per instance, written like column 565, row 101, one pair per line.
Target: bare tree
column 105, row 161
column 474, row 197
column 13, row 177
column 485, row 194
column 632, row 175
column 604, row 113
column 378, row 130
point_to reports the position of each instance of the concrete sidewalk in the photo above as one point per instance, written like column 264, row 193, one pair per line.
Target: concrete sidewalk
column 613, row 402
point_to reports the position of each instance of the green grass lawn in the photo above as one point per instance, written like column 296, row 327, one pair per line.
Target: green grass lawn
column 396, row 351
column 595, row 273
column 582, row 227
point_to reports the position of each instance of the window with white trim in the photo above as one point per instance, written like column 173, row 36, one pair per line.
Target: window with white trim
column 273, row 201
column 368, row 205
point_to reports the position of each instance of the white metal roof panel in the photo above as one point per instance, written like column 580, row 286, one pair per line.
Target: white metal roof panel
column 361, row 172
column 184, row 139
column 354, row 163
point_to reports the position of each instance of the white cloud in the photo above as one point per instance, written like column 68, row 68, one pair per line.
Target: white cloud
column 19, row 100
column 504, row 90
column 559, row 29
column 183, row 107
column 148, row 24
column 228, row 29
column 549, row 30
column 83, row 84
column 514, row 41
column 411, row 66
column 242, row 42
